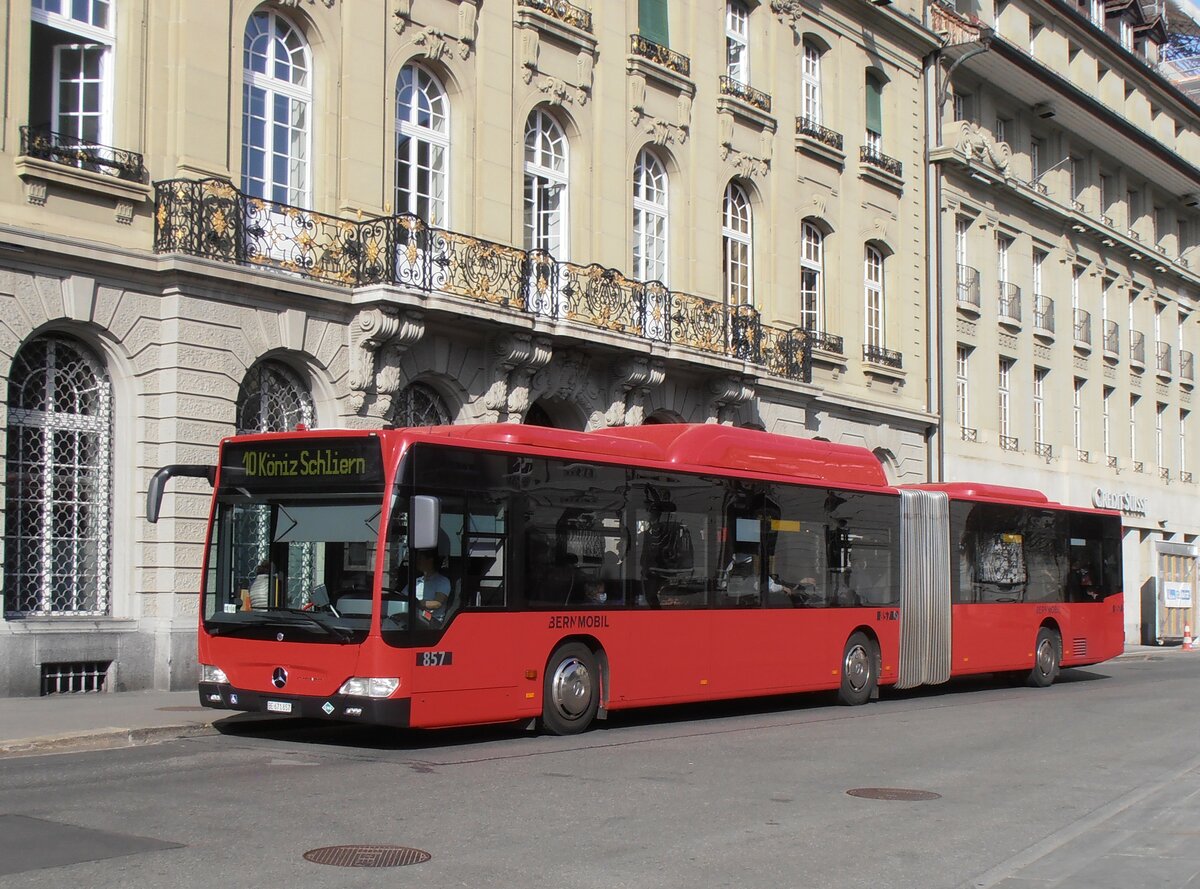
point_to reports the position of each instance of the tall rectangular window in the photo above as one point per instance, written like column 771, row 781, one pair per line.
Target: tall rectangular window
column 737, row 40
column 1133, row 452
column 1077, row 178
column 1005, row 391
column 1039, row 404
column 1003, row 247
column 811, row 77
column 1107, row 420
column 1035, row 159
column 1077, row 414
column 873, row 298
column 962, row 386
column 874, row 114
column 652, row 21
column 1183, row 424
column 71, row 76
column 1039, row 261
column 1160, row 411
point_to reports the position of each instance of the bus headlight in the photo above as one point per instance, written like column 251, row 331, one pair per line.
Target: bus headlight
column 209, row 673
column 370, row 687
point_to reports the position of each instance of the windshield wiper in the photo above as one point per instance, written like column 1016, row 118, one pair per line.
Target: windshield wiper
column 286, row 617
column 313, row 617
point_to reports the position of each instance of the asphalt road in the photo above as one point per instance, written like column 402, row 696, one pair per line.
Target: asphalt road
column 752, row 795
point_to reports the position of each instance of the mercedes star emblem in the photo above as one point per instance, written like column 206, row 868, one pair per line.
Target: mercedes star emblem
column 279, row 677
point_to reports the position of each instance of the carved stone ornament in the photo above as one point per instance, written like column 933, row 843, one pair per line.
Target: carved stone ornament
column 513, row 359
column 375, row 330
column 633, row 378
column 728, row 393
column 977, row 144
column 559, row 92
column 296, row 4
column 746, row 165
column 787, row 11
column 402, row 15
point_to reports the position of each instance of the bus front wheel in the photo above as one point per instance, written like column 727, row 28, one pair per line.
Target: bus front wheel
column 859, row 670
column 571, row 690
column 1047, row 655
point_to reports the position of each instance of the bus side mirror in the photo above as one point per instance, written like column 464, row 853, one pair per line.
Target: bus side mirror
column 155, row 493
column 424, row 522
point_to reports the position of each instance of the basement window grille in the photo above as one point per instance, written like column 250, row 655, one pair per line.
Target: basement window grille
column 74, row 677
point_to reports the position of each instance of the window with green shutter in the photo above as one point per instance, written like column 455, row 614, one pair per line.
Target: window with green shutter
column 874, row 105
column 652, row 21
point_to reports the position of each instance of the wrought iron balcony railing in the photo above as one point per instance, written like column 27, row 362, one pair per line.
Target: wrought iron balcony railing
column 1077, row 206
column 1043, row 313
column 1164, row 473
column 808, row 127
column 1084, row 456
column 885, row 357
column 1112, row 338
column 1043, row 449
column 745, row 92
column 969, row 434
column 1111, row 461
column 1009, row 306
column 1106, row 220
column 873, row 157
column 1139, row 466
column 1164, row 357
column 827, row 342
column 1137, row 348
column 660, row 55
column 59, row 148
column 211, row 218
column 1186, row 366
column 1009, row 443
column 1185, row 476
column 968, row 286
column 1083, row 326
column 563, row 11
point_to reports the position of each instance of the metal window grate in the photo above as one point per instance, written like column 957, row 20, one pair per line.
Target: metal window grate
column 74, row 677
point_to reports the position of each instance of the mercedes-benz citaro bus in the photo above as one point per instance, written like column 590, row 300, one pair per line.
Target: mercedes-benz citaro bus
column 459, row 575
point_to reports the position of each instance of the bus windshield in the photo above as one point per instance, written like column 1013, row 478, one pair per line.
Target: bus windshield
column 300, row 564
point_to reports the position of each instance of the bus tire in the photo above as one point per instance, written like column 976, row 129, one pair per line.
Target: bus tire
column 1047, row 656
column 570, row 690
column 860, row 670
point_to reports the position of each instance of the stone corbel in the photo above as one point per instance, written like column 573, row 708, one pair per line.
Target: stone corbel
column 633, row 378
column 402, row 15
column 566, row 378
column 729, row 392
column 514, row 359
column 387, row 377
column 468, row 15
column 788, row 12
column 530, row 45
column 370, row 331
column 637, row 97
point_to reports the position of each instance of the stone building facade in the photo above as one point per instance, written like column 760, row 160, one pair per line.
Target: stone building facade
column 1066, row 168
column 247, row 215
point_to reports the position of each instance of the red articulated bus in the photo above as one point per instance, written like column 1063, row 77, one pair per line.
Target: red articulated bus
column 460, row 575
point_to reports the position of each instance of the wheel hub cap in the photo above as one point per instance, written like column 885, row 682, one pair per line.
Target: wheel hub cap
column 857, row 667
column 571, row 688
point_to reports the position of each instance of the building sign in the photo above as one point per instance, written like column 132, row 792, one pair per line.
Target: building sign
column 1177, row 594
column 1119, row 500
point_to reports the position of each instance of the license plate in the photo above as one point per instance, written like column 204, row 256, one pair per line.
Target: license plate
column 279, row 706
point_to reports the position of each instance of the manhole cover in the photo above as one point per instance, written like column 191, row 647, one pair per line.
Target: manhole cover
column 182, row 709
column 897, row 793
column 367, row 856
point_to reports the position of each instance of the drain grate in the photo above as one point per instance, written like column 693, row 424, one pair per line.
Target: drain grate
column 367, row 856
column 896, row 793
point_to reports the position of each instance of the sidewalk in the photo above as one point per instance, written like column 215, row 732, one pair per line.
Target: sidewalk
column 123, row 719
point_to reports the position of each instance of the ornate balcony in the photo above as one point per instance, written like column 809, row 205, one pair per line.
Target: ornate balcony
column 1083, row 456
column 968, row 287
column 660, row 55
column 1106, row 220
column 1164, row 473
column 1163, row 359
column 1187, row 373
column 746, row 93
column 1111, row 462
column 210, row 218
column 969, row 434
column 827, row 342
column 1139, row 466
column 1043, row 449
column 1083, row 327
column 59, row 148
column 1137, row 348
column 1009, row 443
column 873, row 157
column 824, row 135
column 883, row 357
column 1043, row 314
column 1112, row 339
column 1009, row 305
column 1185, row 476
column 565, row 12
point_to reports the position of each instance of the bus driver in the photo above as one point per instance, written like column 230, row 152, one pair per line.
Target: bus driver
column 433, row 587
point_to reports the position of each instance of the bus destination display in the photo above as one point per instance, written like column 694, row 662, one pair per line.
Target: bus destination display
column 317, row 465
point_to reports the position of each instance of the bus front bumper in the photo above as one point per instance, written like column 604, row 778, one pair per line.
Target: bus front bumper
column 343, row 708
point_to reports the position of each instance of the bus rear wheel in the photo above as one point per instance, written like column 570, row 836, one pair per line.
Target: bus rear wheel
column 860, row 671
column 571, row 690
column 1047, row 655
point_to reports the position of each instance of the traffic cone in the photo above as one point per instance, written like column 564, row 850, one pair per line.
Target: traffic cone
column 1187, row 637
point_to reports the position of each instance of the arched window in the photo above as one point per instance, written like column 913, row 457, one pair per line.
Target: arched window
column 546, row 177
column 736, row 246
column 57, row 500
column 72, row 69
column 649, row 218
column 276, row 110
column 422, row 145
column 812, row 277
column 873, row 299
column 273, row 399
column 810, row 77
column 418, row 404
